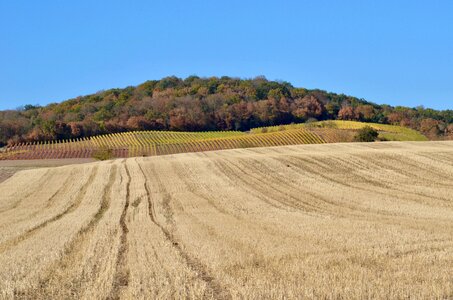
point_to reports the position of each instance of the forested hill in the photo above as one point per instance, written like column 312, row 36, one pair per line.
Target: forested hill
column 201, row 104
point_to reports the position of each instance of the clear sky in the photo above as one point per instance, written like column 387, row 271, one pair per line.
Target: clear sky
column 396, row 52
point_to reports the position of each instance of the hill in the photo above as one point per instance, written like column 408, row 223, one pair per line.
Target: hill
column 150, row 143
column 205, row 104
column 333, row 221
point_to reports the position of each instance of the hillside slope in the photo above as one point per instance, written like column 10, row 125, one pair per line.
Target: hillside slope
column 349, row 221
column 205, row 104
column 151, row 143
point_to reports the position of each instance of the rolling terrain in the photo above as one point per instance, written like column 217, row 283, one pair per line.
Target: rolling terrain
column 152, row 143
column 328, row 129
column 335, row 221
column 196, row 104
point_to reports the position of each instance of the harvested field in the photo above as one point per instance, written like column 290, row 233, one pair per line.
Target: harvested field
column 9, row 167
column 6, row 173
column 348, row 221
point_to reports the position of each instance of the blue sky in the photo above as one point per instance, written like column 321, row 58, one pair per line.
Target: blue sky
column 395, row 52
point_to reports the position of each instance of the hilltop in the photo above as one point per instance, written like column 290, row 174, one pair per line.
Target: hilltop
column 205, row 104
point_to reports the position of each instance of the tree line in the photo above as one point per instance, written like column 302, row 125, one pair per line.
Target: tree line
column 203, row 104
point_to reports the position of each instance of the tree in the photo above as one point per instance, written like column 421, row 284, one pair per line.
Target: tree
column 450, row 129
column 429, row 127
column 365, row 112
column 30, row 107
column 138, row 123
column 308, row 107
column 366, row 134
column 199, row 104
column 347, row 113
column 76, row 129
column 395, row 118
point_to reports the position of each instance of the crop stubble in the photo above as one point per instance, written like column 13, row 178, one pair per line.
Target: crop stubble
column 327, row 221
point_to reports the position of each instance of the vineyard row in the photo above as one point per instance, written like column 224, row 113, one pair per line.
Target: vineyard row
column 152, row 143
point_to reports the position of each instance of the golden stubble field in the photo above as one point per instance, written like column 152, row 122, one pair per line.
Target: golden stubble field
column 336, row 221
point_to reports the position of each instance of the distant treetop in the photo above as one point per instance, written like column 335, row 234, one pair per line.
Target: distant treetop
column 203, row 104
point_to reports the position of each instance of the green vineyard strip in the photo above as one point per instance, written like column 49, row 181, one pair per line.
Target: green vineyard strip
column 150, row 143
column 389, row 132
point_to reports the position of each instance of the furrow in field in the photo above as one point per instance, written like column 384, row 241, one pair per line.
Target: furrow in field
column 223, row 202
column 416, row 185
column 313, row 167
column 49, row 244
column 406, row 164
column 26, row 214
column 62, row 191
column 338, row 221
column 121, row 276
column 359, row 179
column 212, row 232
column 296, row 192
column 359, row 183
column 214, row 288
column 342, row 208
column 157, row 271
column 432, row 165
column 13, row 197
column 69, row 273
column 444, row 158
column 225, row 189
column 306, row 202
column 151, row 209
column 236, row 211
column 72, row 207
column 20, row 178
column 193, row 185
column 241, row 180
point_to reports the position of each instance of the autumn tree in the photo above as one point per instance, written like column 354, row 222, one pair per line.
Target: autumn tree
column 76, row 129
column 308, row 107
column 365, row 113
column 450, row 130
column 139, row 123
column 347, row 113
column 196, row 103
column 429, row 127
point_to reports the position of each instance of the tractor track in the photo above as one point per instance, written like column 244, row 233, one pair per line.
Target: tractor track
column 29, row 233
column 70, row 253
column 215, row 289
column 122, row 273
